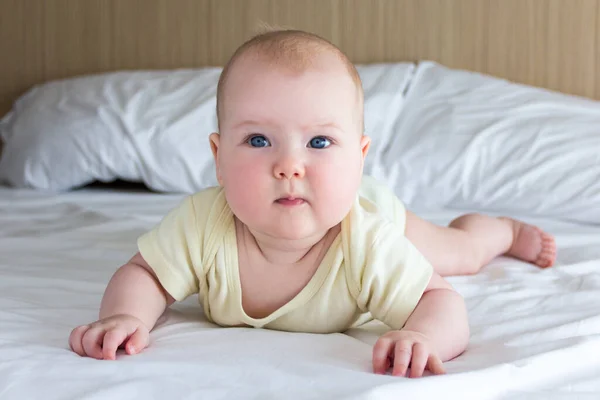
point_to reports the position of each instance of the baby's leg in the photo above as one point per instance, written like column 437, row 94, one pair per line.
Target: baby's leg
column 471, row 241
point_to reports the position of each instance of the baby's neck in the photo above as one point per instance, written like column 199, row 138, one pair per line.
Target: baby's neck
column 284, row 252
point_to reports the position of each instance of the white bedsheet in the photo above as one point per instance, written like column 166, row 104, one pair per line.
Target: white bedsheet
column 535, row 333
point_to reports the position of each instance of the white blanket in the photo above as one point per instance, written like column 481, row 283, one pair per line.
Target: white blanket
column 535, row 333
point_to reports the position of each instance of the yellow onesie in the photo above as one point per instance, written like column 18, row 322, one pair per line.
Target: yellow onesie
column 370, row 271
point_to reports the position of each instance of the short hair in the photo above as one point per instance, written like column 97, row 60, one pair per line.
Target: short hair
column 292, row 49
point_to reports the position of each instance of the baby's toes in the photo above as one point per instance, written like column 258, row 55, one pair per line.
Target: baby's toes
column 547, row 255
column 548, row 243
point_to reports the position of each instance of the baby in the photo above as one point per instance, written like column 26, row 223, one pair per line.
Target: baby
column 294, row 238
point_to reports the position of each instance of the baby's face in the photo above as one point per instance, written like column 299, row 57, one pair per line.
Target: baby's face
column 290, row 151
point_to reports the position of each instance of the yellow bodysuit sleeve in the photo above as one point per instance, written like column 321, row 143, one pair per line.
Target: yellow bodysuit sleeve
column 387, row 275
column 173, row 250
column 394, row 277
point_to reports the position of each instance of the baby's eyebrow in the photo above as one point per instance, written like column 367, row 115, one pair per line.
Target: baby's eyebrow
column 306, row 128
column 249, row 122
column 327, row 125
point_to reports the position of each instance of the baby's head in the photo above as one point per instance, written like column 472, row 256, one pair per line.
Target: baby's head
column 290, row 148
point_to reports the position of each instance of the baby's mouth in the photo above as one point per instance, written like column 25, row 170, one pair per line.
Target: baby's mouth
column 290, row 201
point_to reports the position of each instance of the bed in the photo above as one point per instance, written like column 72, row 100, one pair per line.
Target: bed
column 477, row 106
column 534, row 332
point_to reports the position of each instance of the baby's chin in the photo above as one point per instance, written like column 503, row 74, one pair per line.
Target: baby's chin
column 300, row 229
column 295, row 234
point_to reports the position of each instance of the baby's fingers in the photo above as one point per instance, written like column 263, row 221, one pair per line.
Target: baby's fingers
column 381, row 353
column 138, row 341
column 76, row 337
column 419, row 359
column 92, row 342
column 435, row 365
column 402, row 357
column 112, row 340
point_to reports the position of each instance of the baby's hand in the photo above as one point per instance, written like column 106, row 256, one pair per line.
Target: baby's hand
column 101, row 339
column 403, row 348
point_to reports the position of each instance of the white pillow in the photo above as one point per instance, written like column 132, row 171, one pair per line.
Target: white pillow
column 471, row 141
column 385, row 88
column 145, row 126
column 149, row 126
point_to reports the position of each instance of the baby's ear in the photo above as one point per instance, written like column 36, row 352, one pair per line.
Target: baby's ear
column 365, row 143
column 214, row 139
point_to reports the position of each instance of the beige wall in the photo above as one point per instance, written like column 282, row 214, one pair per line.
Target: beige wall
column 549, row 43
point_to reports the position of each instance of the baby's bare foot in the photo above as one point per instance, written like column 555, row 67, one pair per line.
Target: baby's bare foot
column 531, row 244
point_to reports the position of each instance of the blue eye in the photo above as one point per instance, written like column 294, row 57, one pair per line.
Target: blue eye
column 319, row 142
column 258, row 141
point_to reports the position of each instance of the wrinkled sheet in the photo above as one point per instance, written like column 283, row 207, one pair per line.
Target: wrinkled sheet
column 535, row 334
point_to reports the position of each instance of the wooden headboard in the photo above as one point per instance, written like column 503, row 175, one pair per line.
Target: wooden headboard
column 548, row 43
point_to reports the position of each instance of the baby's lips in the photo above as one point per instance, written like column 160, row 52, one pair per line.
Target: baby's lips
column 290, row 201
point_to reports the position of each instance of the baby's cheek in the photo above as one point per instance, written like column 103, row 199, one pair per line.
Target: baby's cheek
column 240, row 172
column 338, row 188
column 244, row 188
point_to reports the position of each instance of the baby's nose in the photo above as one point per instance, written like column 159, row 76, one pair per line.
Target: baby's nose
column 288, row 168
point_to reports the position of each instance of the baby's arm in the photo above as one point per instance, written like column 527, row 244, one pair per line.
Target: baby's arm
column 441, row 315
column 135, row 290
column 436, row 331
column 132, row 303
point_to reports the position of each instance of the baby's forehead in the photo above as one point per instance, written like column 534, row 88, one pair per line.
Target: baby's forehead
column 268, row 82
column 257, row 77
column 293, row 59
